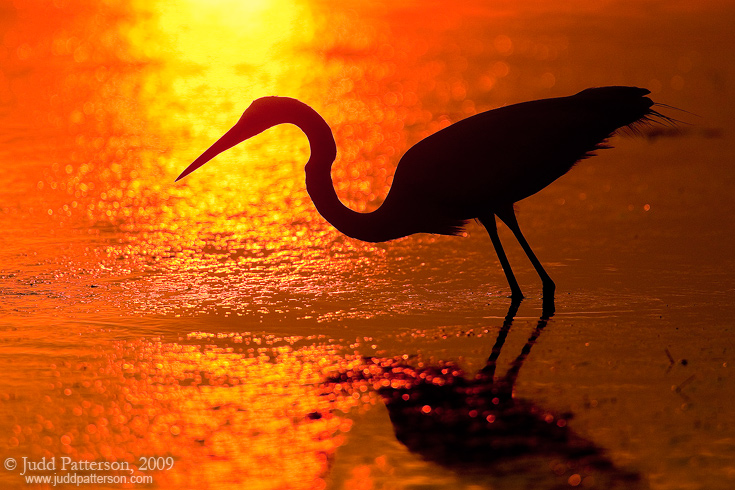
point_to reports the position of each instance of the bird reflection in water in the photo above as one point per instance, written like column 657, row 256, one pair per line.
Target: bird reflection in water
column 477, row 426
column 476, row 168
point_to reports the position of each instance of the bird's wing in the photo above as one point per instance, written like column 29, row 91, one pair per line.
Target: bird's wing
column 504, row 155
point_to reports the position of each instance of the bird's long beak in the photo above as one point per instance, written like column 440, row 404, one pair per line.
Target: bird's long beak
column 228, row 140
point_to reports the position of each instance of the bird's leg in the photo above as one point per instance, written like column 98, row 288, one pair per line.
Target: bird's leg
column 508, row 216
column 489, row 223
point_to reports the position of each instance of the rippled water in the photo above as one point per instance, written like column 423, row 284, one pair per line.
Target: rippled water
column 221, row 321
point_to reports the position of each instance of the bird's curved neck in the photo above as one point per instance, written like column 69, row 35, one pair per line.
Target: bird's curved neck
column 370, row 227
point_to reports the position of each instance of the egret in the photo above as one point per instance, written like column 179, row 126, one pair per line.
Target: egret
column 477, row 168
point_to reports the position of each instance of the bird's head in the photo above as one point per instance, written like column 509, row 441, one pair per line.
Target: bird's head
column 262, row 114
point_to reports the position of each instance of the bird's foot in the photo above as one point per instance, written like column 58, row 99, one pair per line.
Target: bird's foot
column 547, row 299
column 548, row 308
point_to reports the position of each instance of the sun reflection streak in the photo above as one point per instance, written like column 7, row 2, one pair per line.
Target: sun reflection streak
column 245, row 227
column 231, row 408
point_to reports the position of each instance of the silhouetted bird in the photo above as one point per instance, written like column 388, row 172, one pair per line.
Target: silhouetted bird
column 476, row 168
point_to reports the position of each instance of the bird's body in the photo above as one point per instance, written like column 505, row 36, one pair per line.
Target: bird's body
column 476, row 168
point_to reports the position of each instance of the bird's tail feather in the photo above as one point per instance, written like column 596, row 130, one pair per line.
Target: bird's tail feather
column 451, row 228
column 628, row 110
column 623, row 106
